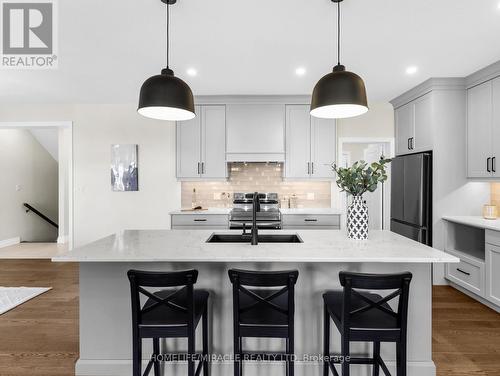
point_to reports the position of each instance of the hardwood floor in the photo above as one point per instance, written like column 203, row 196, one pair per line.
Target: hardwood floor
column 466, row 335
column 40, row 337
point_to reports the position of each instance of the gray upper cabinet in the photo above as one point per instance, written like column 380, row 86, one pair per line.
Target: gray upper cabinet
column 413, row 126
column 188, row 134
column 298, row 142
column 323, row 150
column 404, row 128
column 479, row 130
column 310, row 145
column 201, row 144
column 255, row 132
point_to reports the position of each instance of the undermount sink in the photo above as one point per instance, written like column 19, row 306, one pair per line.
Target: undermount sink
column 263, row 238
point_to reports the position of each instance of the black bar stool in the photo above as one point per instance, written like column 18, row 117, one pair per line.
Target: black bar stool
column 263, row 313
column 173, row 313
column 366, row 316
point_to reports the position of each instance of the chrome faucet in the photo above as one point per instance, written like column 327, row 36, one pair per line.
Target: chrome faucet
column 255, row 209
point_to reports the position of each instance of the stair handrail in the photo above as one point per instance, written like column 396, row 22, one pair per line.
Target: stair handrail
column 41, row 215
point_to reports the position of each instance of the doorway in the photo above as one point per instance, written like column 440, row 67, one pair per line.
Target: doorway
column 38, row 184
column 369, row 150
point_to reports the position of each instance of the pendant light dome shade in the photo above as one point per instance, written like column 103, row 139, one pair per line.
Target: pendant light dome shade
column 340, row 94
column 166, row 97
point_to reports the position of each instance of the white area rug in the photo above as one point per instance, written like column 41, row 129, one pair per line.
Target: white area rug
column 11, row 297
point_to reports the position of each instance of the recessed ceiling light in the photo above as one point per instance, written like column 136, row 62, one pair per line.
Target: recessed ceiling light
column 300, row 71
column 412, row 69
column 192, row 72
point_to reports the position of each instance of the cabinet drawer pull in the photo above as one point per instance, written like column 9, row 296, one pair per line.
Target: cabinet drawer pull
column 488, row 164
column 200, row 220
column 310, row 220
column 461, row 271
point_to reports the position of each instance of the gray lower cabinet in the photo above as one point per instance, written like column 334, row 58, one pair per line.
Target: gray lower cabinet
column 199, row 222
column 311, row 222
column 479, row 268
column 201, row 144
column 493, row 273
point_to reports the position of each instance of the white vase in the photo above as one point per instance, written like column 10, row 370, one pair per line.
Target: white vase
column 357, row 219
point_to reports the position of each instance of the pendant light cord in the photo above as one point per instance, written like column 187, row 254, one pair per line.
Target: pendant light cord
column 338, row 33
column 168, row 34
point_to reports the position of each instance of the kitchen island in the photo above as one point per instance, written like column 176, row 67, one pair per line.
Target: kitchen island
column 105, row 314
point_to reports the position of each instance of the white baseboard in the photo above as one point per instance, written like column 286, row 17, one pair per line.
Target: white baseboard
column 9, row 242
column 98, row 367
column 62, row 239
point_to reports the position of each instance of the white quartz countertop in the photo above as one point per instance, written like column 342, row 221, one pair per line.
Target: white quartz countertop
column 190, row 246
column 475, row 221
column 209, row 211
column 284, row 211
column 310, row 211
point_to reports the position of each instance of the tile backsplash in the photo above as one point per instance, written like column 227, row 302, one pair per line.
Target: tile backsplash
column 260, row 177
column 495, row 194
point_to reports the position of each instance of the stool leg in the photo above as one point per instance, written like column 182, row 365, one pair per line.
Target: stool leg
column 137, row 356
column 291, row 353
column 237, row 355
column 401, row 358
column 156, row 352
column 205, row 342
column 376, row 357
column 345, row 353
column 191, row 350
column 326, row 340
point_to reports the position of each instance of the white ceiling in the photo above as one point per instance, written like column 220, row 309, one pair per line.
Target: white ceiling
column 108, row 48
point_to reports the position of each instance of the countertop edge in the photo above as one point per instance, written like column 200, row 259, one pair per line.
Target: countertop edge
column 474, row 221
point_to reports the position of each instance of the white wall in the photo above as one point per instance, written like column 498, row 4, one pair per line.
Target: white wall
column 97, row 210
column 26, row 164
column 378, row 122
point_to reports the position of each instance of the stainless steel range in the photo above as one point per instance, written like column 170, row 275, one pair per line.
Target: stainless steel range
column 268, row 217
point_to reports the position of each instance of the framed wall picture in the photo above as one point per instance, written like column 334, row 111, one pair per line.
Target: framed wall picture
column 124, row 168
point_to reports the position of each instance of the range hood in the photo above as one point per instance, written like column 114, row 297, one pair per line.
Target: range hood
column 255, row 133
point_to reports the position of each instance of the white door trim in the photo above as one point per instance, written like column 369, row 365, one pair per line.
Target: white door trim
column 67, row 125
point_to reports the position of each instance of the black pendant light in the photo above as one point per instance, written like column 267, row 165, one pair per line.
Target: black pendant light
column 164, row 96
column 340, row 94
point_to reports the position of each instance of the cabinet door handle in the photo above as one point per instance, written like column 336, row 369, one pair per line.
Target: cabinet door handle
column 461, row 271
column 411, row 143
column 493, row 167
column 488, row 164
column 200, row 220
column 310, row 220
column 308, row 168
column 202, row 168
column 409, row 148
column 312, row 168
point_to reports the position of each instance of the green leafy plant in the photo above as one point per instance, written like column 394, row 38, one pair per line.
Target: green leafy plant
column 361, row 177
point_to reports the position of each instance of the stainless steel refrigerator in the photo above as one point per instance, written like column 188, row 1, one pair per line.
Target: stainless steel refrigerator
column 411, row 196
